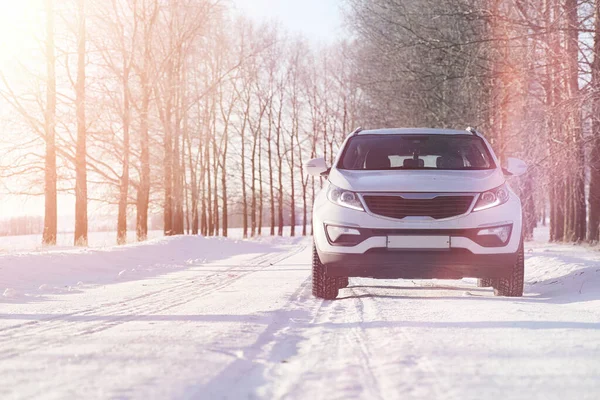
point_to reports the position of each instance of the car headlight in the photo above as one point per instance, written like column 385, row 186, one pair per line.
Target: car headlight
column 492, row 198
column 344, row 198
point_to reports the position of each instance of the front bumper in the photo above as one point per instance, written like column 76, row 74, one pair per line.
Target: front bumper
column 392, row 264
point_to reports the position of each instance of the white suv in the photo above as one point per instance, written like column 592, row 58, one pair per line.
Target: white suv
column 417, row 204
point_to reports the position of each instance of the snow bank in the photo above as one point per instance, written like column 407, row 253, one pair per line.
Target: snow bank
column 67, row 270
column 10, row 244
column 562, row 273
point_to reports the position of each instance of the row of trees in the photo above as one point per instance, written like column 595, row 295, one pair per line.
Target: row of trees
column 176, row 108
column 526, row 72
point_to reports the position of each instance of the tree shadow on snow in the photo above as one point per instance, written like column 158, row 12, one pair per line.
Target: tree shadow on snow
column 283, row 327
column 412, row 292
column 433, row 287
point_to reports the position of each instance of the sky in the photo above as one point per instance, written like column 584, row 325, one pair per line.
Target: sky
column 318, row 20
column 19, row 24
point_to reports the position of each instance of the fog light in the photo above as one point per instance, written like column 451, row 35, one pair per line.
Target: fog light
column 501, row 232
column 335, row 232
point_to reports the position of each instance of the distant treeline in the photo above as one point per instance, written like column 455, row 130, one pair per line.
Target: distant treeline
column 17, row 226
column 34, row 225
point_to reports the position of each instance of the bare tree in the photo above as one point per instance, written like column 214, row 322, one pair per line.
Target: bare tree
column 50, row 175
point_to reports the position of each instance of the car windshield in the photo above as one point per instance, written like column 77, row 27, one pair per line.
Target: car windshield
column 442, row 152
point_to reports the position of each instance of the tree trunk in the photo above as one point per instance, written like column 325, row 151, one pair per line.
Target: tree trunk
column 292, row 170
column 253, row 184
column 178, row 171
column 292, row 192
column 225, row 142
column 168, row 173
column 594, row 196
column 554, row 97
column 193, row 224
column 50, row 176
column 270, row 168
column 243, row 166
column 124, row 189
column 81, row 217
column 224, row 184
column 260, row 186
column 215, row 178
column 203, row 222
column 143, row 196
column 186, row 196
column 279, row 172
column 177, row 228
column 209, row 204
column 577, row 189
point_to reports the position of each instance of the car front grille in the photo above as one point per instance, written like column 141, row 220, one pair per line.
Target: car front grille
column 399, row 207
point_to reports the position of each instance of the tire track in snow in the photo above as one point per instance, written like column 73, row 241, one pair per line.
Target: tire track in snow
column 206, row 290
column 417, row 356
column 28, row 338
column 123, row 314
column 361, row 338
column 252, row 262
column 332, row 346
column 272, row 347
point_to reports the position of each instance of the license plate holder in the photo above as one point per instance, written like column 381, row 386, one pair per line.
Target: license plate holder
column 418, row 242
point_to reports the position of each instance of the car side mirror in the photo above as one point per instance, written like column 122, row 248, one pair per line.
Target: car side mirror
column 316, row 167
column 514, row 167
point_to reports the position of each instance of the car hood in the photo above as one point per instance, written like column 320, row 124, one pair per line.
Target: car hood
column 417, row 180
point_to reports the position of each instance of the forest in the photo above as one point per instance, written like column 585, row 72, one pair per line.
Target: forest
column 186, row 112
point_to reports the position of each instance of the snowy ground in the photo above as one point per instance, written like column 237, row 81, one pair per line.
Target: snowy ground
column 213, row 318
column 11, row 244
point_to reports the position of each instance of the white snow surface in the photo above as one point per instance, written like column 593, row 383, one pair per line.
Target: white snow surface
column 203, row 318
column 12, row 244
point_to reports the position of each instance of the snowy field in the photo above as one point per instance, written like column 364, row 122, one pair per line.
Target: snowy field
column 208, row 318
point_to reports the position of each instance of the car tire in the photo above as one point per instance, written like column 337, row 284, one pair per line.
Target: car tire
column 512, row 286
column 486, row 282
column 343, row 282
column 323, row 286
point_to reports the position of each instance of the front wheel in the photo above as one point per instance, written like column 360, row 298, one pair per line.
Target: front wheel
column 512, row 285
column 343, row 282
column 323, row 286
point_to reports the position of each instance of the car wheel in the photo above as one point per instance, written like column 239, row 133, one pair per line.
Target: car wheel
column 323, row 286
column 343, row 282
column 512, row 286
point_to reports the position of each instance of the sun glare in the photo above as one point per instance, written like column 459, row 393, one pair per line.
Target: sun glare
column 21, row 29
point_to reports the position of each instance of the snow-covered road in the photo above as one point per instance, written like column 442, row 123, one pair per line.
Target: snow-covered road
column 242, row 324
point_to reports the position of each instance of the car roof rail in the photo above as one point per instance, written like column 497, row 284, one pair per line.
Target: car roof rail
column 356, row 131
column 473, row 131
